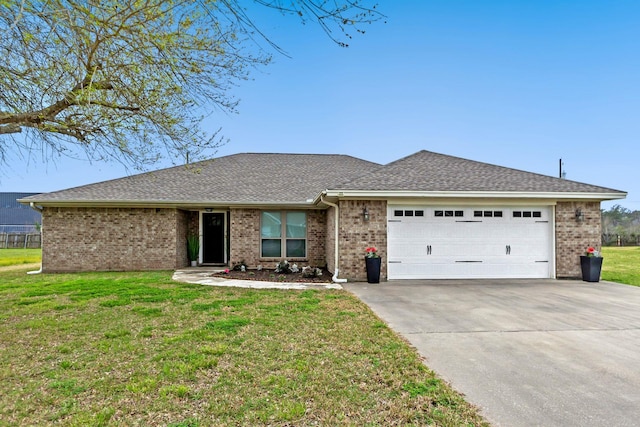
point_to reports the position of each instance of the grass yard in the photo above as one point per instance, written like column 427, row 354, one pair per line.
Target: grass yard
column 105, row 349
column 19, row 256
column 621, row 264
column 102, row 349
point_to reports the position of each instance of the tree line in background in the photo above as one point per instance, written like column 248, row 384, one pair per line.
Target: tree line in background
column 620, row 226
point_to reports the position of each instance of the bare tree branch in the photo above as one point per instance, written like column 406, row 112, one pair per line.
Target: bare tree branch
column 132, row 80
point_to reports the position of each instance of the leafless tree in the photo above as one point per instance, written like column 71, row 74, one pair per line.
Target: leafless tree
column 133, row 80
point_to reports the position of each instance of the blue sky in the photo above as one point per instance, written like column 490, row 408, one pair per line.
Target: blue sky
column 518, row 84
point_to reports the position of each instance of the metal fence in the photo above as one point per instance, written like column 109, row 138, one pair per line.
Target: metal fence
column 20, row 240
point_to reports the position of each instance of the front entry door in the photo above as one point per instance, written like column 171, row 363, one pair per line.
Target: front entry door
column 213, row 243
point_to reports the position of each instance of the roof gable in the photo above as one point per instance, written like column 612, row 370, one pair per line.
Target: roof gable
column 236, row 179
column 426, row 171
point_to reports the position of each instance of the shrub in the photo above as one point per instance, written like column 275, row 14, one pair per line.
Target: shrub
column 311, row 272
column 240, row 266
column 283, row 267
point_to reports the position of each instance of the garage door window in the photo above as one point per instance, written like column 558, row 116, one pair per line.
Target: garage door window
column 448, row 213
column 527, row 214
column 487, row 214
column 408, row 212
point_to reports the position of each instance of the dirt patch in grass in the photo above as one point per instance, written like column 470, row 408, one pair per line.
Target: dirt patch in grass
column 31, row 266
column 271, row 276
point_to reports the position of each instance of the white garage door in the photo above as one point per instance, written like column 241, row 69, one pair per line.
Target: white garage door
column 469, row 242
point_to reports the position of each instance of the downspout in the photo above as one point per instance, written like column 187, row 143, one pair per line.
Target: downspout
column 335, row 246
column 34, row 207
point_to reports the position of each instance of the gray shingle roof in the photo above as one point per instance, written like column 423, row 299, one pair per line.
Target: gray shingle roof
column 255, row 178
column 238, row 178
column 427, row 171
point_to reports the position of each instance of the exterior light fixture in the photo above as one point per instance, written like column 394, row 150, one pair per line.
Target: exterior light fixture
column 579, row 215
column 365, row 214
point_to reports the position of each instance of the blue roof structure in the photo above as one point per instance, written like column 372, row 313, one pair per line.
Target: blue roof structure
column 15, row 217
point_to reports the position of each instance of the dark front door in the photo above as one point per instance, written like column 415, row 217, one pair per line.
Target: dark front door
column 213, row 238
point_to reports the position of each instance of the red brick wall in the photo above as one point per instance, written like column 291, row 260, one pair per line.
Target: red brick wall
column 245, row 239
column 356, row 235
column 103, row 239
column 574, row 237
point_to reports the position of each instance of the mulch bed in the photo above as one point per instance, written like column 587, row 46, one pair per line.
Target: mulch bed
column 268, row 275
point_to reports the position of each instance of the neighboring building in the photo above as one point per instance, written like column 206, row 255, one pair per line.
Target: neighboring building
column 430, row 216
column 16, row 217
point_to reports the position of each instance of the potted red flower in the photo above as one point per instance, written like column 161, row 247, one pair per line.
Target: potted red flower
column 591, row 265
column 373, row 263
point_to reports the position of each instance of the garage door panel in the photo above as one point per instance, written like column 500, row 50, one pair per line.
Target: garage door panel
column 516, row 243
column 468, row 270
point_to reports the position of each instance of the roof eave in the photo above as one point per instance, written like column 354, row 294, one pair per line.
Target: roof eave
column 386, row 194
column 167, row 204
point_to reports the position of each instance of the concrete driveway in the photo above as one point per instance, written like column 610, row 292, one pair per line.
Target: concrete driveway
column 527, row 352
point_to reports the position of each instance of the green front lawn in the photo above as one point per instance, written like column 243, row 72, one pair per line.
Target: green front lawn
column 139, row 349
column 19, row 256
column 621, row 264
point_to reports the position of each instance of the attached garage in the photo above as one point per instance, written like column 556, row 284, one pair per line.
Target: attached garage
column 461, row 242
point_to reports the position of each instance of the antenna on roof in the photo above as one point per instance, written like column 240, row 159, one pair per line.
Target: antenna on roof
column 562, row 174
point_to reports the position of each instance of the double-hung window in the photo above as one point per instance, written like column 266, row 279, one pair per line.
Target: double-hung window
column 283, row 234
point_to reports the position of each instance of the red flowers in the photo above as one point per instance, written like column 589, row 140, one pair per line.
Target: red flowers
column 372, row 252
column 591, row 252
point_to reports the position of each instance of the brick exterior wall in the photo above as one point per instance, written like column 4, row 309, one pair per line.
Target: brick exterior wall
column 317, row 238
column 574, row 237
column 245, row 239
column 184, row 224
column 105, row 239
column 356, row 235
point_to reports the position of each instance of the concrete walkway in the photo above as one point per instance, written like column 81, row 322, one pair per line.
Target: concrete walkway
column 527, row 352
column 205, row 276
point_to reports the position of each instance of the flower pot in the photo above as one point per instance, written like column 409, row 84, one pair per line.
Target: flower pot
column 591, row 268
column 373, row 269
column 194, row 263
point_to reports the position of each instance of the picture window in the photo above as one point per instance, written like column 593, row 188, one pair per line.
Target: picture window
column 283, row 234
